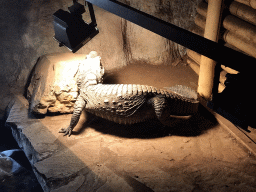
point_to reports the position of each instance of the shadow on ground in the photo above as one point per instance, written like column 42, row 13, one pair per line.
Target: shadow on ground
column 202, row 121
column 157, row 76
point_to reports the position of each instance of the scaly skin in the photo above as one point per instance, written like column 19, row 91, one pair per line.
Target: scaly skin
column 127, row 104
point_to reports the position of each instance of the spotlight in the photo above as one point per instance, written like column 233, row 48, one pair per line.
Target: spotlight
column 71, row 30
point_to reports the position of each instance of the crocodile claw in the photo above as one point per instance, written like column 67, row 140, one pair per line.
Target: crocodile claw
column 66, row 131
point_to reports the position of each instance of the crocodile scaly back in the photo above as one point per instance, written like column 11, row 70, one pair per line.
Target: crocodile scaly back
column 127, row 103
column 183, row 91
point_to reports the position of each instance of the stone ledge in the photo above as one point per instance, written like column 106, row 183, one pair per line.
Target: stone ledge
column 61, row 163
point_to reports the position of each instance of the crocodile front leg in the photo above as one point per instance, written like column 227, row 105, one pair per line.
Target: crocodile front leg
column 78, row 108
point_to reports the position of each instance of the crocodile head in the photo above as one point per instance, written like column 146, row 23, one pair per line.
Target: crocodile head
column 91, row 70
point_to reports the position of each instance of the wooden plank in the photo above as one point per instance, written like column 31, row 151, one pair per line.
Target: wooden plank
column 238, row 133
column 248, row 140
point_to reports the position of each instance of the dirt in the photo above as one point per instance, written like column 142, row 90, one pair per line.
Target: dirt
column 155, row 75
column 194, row 155
column 201, row 154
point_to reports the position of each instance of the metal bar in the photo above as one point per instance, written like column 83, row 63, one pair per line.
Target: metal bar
column 93, row 19
column 201, row 45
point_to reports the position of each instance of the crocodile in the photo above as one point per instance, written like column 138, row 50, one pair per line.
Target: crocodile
column 127, row 103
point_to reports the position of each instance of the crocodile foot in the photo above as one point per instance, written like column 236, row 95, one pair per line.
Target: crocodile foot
column 67, row 131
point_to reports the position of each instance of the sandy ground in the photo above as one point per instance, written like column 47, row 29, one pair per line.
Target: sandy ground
column 195, row 155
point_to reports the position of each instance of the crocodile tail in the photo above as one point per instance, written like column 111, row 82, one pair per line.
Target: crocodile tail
column 183, row 91
column 187, row 101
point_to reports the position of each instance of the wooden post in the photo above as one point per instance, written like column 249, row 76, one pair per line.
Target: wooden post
column 207, row 66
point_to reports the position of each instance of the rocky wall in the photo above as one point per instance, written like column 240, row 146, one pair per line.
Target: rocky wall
column 27, row 31
column 141, row 44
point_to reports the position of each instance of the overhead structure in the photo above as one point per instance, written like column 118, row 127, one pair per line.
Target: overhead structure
column 63, row 22
column 71, row 30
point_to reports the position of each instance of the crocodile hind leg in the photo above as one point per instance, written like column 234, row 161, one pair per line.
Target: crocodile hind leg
column 78, row 108
column 162, row 111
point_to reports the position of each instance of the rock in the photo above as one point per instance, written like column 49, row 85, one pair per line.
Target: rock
column 60, row 164
column 8, row 166
column 142, row 44
column 153, row 49
column 40, row 146
column 53, row 85
column 15, row 173
column 118, row 42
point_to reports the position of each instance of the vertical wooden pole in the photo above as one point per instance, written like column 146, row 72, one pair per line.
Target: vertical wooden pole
column 207, row 66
